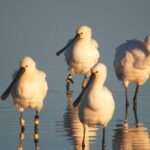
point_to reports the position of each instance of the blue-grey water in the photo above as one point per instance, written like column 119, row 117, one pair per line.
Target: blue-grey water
column 39, row 28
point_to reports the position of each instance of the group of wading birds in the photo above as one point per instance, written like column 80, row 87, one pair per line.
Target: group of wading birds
column 96, row 103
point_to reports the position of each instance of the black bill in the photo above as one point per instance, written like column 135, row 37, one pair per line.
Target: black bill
column 69, row 43
column 16, row 78
column 78, row 99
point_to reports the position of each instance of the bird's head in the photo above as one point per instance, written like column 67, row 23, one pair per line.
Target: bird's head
column 84, row 32
column 99, row 69
column 27, row 63
column 99, row 72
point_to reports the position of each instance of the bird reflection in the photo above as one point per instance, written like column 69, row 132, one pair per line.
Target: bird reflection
column 135, row 137
column 74, row 127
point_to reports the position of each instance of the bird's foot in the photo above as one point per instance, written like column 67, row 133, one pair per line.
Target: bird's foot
column 104, row 147
column 84, row 83
column 83, row 146
column 69, row 82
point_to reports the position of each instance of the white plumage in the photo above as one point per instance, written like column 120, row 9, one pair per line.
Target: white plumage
column 96, row 101
column 82, row 54
column 31, row 89
column 74, row 127
column 28, row 89
column 132, row 65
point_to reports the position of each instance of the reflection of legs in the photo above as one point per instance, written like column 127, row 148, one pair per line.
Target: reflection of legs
column 36, row 130
column 135, row 104
column 22, row 130
column 84, row 134
column 103, row 139
column 69, row 82
column 126, row 103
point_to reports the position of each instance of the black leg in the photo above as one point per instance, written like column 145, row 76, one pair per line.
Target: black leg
column 126, row 104
column 84, row 82
column 22, row 131
column 36, row 130
column 69, row 82
column 135, row 104
column 84, row 134
column 103, row 139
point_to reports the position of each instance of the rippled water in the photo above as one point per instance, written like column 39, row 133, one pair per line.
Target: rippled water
column 39, row 29
column 123, row 135
column 128, row 137
column 60, row 127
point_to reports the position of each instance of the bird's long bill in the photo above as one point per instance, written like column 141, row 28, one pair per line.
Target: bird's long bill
column 68, row 44
column 16, row 78
column 77, row 101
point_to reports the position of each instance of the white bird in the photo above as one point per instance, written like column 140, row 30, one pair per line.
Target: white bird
column 96, row 101
column 28, row 89
column 81, row 54
column 132, row 65
column 74, row 128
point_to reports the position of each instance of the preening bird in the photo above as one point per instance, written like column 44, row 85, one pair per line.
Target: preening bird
column 132, row 65
column 28, row 89
column 96, row 103
column 81, row 54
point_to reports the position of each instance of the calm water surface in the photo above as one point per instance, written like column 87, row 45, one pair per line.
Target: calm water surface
column 60, row 127
column 39, row 29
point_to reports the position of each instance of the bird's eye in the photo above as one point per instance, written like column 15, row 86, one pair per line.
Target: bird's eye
column 81, row 33
column 26, row 66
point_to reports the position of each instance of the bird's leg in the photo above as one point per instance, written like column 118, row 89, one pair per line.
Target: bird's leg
column 84, row 82
column 84, row 134
column 69, row 82
column 135, row 104
column 22, row 131
column 103, row 139
column 126, row 104
column 36, row 130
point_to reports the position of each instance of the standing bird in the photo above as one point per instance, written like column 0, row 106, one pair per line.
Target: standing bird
column 28, row 89
column 74, row 128
column 96, row 101
column 81, row 54
column 132, row 65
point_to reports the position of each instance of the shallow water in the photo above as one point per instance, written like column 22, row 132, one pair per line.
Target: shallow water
column 39, row 29
column 60, row 127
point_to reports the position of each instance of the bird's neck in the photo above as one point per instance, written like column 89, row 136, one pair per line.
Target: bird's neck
column 99, row 81
column 30, row 71
column 86, row 38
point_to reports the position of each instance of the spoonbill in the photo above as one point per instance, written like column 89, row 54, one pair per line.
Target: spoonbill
column 132, row 65
column 74, row 128
column 28, row 89
column 81, row 54
column 96, row 101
